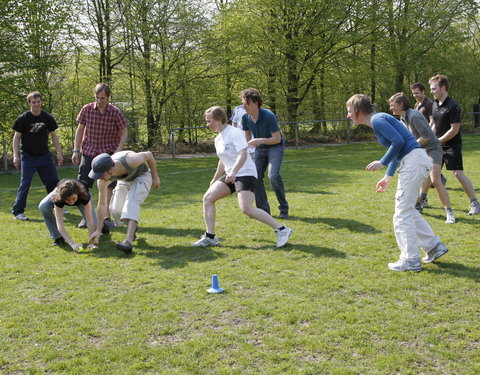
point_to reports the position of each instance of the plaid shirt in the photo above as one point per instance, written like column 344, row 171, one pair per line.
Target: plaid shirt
column 101, row 129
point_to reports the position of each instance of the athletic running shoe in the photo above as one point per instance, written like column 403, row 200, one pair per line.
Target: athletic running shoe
column 435, row 253
column 82, row 224
column 206, row 241
column 124, row 246
column 421, row 204
column 406, row 265
column 283, row 236
column 21, row 217
column 474, row 208
column 450, row 217
column 283, row 215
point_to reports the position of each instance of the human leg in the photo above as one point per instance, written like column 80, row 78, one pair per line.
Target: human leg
column 413, row 169
column 275, row 160
column 245, row 202
column 118, row 201
column 28, row 169
column 48, row 172
column 216, row 191
column 261, row 162
column 46, row 207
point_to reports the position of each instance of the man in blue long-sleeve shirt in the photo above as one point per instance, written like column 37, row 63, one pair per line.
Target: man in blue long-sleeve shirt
column 411, row 229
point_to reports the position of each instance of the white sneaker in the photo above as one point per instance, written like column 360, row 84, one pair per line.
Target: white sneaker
column 474, row 208
column 406, row 265
column 205, row 241
column 21, row 217
column 283, row 235
column 65, row 211
column 435, row 253
column 450, row 217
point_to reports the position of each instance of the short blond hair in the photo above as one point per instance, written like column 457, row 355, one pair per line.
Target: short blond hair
column 361, row 103
column 218, row 113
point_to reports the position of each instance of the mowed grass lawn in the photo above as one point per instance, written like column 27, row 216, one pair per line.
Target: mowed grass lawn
column 324, row 304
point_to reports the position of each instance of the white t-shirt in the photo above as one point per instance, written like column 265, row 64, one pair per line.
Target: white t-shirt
column 228, row 144
column 237, row 115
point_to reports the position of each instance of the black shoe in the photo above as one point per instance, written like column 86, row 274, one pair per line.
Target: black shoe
column 106, row 228
column 59, row 242
column 109, row 223
column 283, row 215
column 124, row 246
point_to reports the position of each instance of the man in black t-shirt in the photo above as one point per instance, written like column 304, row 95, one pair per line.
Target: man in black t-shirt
column 32, row 129
column 446, row 118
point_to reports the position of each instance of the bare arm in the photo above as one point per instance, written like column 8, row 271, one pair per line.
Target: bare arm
column 276, row 138
column 101, row 207
column 241, row 157
column 16, row 149
column 58, row 147
column 78, row 144
column 219, row 172
column 61, row 228
column 452, row 132
column 123, row 134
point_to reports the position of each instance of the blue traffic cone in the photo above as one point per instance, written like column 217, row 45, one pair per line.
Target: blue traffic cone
column 215, row 288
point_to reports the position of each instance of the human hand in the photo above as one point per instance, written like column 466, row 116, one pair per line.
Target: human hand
column 374, row 166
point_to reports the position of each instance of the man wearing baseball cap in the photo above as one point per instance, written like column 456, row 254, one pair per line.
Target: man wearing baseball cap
column 135, row 172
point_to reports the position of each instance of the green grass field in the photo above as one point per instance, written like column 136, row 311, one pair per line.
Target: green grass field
column 324, row 304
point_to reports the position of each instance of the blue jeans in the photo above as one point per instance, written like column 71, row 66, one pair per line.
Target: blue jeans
column 46, row 207
column 270, row 157
column 47, row 171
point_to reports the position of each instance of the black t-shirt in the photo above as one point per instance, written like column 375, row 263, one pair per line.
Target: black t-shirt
column 444, row 115
column 35, row 130
column 79, row 200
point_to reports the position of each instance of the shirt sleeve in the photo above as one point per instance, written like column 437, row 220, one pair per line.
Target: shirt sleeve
column 395, row 140
column 454, row 114
column 420, row 124
column 121, row 120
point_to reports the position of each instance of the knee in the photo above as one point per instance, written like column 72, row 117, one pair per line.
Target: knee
column 208, row 199
column 116, row 212
column 247, row 211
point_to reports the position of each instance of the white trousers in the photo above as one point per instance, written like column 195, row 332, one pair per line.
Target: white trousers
column 411, row 230
column 128, row 197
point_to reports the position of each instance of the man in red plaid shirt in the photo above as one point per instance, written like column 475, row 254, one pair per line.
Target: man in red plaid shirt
column 102, row 128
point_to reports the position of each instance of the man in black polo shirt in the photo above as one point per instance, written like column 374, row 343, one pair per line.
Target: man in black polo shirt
column 446, row 117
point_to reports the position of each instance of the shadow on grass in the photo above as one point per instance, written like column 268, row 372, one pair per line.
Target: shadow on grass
column 315, row 250
column 337, row 223
column 455, row 269
column 458, row 219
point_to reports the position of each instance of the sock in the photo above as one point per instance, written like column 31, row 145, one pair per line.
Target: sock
column 423, row 196
column 209, row 235
column 474, row 200
column 281, row 228
column 449, row 209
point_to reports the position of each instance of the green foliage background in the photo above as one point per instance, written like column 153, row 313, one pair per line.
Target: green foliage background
column 168, row 60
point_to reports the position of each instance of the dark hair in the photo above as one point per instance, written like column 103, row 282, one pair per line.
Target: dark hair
column 67, row 187
column 441, row 80
column 417, row 85
column 401, row 98
column 218, row 113
column 251, row 95
column 102, row 87
column 361, row 104
column 33, row 94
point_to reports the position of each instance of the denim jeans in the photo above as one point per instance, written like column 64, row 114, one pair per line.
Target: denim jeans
column 46, row 207
column 270, row 157
column 47, row 171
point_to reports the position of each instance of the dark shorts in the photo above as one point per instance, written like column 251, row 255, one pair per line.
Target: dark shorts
column 241, row 183
column 452, row 157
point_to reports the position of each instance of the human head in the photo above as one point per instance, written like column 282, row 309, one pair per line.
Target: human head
column 34, row 95
column 67, row 188
column 217, row 113
column 102, row 87
column 100, row 165
column 251, row 95
column 360, row 104
column 401, row 100
column 441, row 80
column 418, row 91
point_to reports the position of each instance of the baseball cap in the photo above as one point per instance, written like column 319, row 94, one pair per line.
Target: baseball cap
column 100, row 164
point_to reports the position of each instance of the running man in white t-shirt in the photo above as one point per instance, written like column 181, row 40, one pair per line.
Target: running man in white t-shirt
column 236, row 172
column 236, row 120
